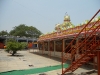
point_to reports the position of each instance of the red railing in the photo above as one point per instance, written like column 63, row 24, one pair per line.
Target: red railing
column 90, row 32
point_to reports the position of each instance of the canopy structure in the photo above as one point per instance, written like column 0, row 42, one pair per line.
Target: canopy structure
column 80, row 44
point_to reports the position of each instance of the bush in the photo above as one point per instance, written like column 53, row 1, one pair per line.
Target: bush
column 13, row 46
column 24, row 45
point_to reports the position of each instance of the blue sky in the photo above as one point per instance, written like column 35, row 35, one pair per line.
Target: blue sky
column 44, row 14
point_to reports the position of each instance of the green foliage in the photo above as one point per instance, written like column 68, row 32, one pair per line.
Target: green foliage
column 3, row 33
column 13, row 46
column 10, row 40
column 99, row 17
column 24, row 45
column 23, row 30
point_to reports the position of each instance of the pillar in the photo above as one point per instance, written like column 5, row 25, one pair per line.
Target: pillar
column 62, row 53
column 77, row 50
column 98, row 61
column 37, row 44
column 27, row 40
column 43, row 47
column 48, row 47
column 54, row 47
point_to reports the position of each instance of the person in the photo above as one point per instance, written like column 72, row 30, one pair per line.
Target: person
column 4, row 46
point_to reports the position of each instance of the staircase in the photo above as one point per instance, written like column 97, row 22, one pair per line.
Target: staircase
column 88, row 46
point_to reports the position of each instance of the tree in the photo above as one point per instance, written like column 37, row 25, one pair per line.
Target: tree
column 23, row 30
column 14, row 46
column 3, row 33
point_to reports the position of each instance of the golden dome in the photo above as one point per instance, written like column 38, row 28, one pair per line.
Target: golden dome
column 57, row 26
column 96, row 19
column 67, row 18
column 64, row 24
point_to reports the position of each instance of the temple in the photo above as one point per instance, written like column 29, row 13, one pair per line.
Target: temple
column 79, row 44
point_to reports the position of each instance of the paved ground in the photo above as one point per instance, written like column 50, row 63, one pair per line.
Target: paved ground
column 24, row 59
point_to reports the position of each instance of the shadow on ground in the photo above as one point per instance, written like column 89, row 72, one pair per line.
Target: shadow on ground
column 16, row 55
column 85, row 66
column 47, row 56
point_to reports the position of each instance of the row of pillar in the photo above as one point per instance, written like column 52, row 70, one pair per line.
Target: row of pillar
column 77, row 44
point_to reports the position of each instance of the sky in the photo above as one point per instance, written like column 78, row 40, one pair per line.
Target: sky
column 45, row 14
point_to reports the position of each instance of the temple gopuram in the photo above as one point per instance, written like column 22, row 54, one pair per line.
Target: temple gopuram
column 78, row 43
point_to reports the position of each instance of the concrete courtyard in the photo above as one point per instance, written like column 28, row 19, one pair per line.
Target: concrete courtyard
column 28, row 59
